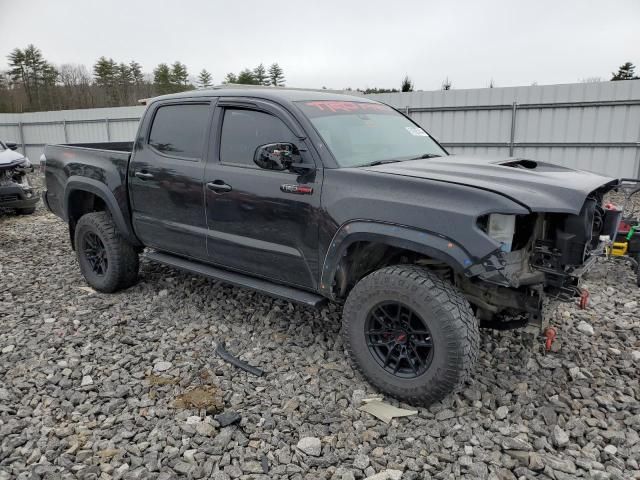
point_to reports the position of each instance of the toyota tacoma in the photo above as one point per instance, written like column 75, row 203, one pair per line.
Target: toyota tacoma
column 312, row 196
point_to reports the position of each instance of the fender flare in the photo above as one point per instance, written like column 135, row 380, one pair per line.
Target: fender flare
column 99, row 189
column 428, row 243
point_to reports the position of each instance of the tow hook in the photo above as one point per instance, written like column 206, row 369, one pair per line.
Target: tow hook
column 583, row 303
column 550, row 335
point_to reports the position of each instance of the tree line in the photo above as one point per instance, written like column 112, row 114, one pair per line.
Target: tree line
column 31, row 83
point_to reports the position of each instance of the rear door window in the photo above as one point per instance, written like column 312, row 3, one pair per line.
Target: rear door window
column 179, row 130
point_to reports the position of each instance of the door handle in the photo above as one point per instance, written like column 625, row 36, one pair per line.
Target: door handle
column 219, row 186
column 144, row 175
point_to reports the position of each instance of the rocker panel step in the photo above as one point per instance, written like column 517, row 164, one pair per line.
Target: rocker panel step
column 260, row 285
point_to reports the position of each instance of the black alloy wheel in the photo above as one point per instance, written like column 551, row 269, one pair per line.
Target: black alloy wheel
column 399, row 339
column 107, row 261
column 95, row 253
column 411, row 333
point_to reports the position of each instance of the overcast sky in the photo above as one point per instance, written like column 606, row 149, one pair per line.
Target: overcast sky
column 340, row 44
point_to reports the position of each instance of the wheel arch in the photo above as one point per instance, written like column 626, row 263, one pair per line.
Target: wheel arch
column 400, row 237
column 83, row 195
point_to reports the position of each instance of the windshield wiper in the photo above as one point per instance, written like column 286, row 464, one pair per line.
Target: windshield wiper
column 380, row 162
column 395, row 160
column 426, row 155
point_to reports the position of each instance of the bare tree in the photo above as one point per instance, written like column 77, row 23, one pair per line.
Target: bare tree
column 76, row 87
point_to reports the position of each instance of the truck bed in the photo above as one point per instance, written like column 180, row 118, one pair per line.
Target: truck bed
column 102, row 166
column 109, row 146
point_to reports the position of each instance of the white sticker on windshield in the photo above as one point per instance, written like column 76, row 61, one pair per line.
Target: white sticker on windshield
column 416, row 131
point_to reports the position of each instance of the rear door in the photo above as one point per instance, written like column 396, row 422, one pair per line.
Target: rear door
column 257, row 222
column 166, row 178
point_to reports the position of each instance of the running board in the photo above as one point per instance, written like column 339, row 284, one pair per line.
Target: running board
column 263, row 286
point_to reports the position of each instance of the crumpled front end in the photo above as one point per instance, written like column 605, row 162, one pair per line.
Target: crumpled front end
column 542, row 258
column 15, row 190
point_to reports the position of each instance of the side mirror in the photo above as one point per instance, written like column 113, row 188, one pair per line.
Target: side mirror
column 279, row 156
column 11, row 145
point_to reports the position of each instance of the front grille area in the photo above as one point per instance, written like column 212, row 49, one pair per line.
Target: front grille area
column 9, row 198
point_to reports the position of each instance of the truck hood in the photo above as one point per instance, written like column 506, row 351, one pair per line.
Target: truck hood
column 539, row 186
column 10, row 159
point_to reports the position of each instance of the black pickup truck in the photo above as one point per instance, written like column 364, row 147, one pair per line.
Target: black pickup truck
column 310, row 196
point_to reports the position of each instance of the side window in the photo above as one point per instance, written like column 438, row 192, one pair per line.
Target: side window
column 179, row 130
column 245, row 130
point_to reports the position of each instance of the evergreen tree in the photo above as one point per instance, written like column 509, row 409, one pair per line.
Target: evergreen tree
column 179, row 75
column 136, row 72
column 162, row 79
column 106, row 75
column 124, row 79
column 625, row 72
column 230, row 78
column 204, row 79
column 245, row 77
column 105, row 72
column 124, row 74
column 276, row 75
column 407, row 85
column 29, row 69
column 260, row 75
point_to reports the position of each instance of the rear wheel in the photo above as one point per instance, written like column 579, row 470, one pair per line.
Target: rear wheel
column 107, row 261
column 412, row 334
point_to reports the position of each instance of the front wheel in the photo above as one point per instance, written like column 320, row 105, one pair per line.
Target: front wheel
column 107, row 261
column 411, row 334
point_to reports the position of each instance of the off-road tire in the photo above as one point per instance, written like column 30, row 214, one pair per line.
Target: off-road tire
column 25, row 211
column 122, row 259
column 448, row 315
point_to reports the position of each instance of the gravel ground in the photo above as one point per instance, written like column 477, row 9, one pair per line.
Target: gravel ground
column 127, row 385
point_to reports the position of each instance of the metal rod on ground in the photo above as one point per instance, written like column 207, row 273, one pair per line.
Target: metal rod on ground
column 226, row 356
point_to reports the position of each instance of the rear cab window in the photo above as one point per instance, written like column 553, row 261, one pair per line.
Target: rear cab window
column 179, row 130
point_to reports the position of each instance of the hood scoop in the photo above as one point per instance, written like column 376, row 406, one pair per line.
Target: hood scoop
column 521, row 163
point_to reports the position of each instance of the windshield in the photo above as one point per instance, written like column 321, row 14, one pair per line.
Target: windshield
column 362, row 133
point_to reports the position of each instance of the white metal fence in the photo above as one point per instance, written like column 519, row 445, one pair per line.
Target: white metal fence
column 591, row 126
column 32, row 131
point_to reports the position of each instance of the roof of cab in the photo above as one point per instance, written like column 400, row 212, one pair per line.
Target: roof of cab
column 269, row 93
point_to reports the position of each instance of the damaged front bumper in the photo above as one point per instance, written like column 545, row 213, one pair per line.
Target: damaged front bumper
column 514, row 289
column 15, row 190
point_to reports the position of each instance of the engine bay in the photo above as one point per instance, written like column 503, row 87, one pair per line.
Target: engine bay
column 542, row 260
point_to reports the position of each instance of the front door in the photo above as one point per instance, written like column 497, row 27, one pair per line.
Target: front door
column 259, row 221
column 165, row 179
